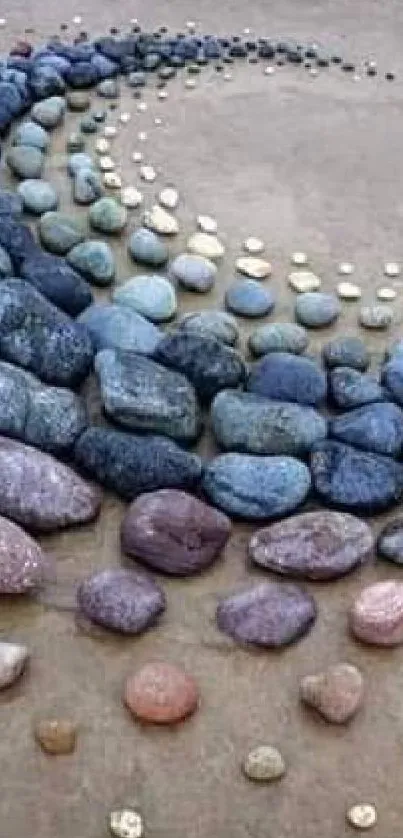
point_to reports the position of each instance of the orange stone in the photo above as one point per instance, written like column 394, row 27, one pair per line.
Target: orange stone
column 161, row 693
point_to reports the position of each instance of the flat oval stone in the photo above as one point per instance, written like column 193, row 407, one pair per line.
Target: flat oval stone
column 25, row 161
column 376, row 316
column 314, row 545
column 122, row 600
column 350, row 388
column 147, row 248
column 346, row 352
column 22, row 562
column 207, row 245
column 253, row 424
column 38, row 196
column 349, row 291
column 304, row 281
column 210, row 323
column 374, row 427
column 161, row 221
column 336, row 693
column 255, row 487
column 355, row 480
column 278, row 337
column 151, row 295
column 174, row 532
column 376, row 616
column 316, row 309
column 87, row 186
column 248, row 298
column 253, row 266
column 264, row 764
column 108, row 216
column 270, row 614
column 281, row 375
column 77, row 161
column 60, row 232
column 161, row 693
column 120, row 327
column 95, row 260
column 56, row 736
column 195, row 273
column 31, row 134
column 390, row 541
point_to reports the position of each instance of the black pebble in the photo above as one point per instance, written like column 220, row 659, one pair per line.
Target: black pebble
column 163, row 30
column 307, row 65
column 219, row 68
column 251, row 46
column 136, row 29
column 280, row 62
column 389, row 76
column 63, row 27
column 253, row 60
column 227, row 59
column 336, row 59
column 348, row 67
column 372, row 71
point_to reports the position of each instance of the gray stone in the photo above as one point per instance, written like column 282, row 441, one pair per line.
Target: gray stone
column 119, row 327
column 346, row 352
column 350, row 388
column 49, row 112
column 278, row 337
column 108, row 88
column 25, row 161
column 31, row 134
column 10, row 204
column 316, row 309
column 147, row 248
column 79, row 160
column 210, row 323
column 151, row 295
column 376, row 316
column 249, row 298
column 87, row 186
column 95, row 260
column 60, row 232
column 38, row 196
column 108, row 216
column 195, row 273
column 390, row 542
column 392, row 377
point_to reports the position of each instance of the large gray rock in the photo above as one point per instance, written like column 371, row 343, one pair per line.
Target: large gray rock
column 119, row 327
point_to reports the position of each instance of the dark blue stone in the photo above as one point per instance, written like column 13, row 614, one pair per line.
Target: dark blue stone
column 105, row 68
column 17, row 239
column 374, row 427
column 249, row 298
column 350, row 388
column 346, row 352
column 45, row 81
column 287, row 377
column 57, row 281
column 82, row 74
column 392, row 377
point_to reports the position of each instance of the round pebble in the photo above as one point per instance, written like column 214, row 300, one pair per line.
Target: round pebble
column 391, row 269
column 375, row 317
column 124, row 118
column 56, row 736
column 112, row 180
column 102, row 146
column 148, row 174
column 348, row 291
column 131, row 197
column 253, row 246
column 253, row 266
column 107, row 216
column 122, row 600
column 195, row 273
column 376, row 616
column 278, row 337
column 150, row 295
column 95, row 260
column 168, row 198
column 248, row 298
column 38, row 196
column 148, row 248
column 110, row 131
column 106, row 164
column 13, row 658
column 161, row 221
column 390, row 541
column 362, row 816
column 137, row 157
column 336, row 694
column 60, row 232
column 316, row 309
column 161, row 693
column 264, row 764
column 303, row 281
column 126, row 823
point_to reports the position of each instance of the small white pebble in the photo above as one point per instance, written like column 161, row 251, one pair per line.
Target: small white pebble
column 124, row 117
column 102, row 146
column 77, row 20
column 112, row 180
column 162, row 94
column 345, row 268
column 148, row 174
column 348, row 291
column 391, row 269
column 106, row 164
column 299, row 259
column 207, row 224
column 157, row 120
column 134, row 21
column 253, row 245
column 190, row 84
column 191, row 25
column 142, row 136
column 385, row 293
column 110, row 131
column 142, row 107
column 362, row 816
column 313, row 72
column 246, row 31
column 3, row 22
column 356, row 77
column 137, row 156
column 126, row 823
column 227, row 76
column 269, row 71
column 168, row 198
column 130, row 197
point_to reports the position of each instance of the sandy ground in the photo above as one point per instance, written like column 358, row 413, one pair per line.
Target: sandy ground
column 304, row 163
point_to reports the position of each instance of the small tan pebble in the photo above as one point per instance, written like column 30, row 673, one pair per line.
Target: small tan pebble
column 56, row 736
column 391, row 269
column 385, row 293
column 126, row 823
column 102, row 146
column 148, row 173
column 253, row 266
column 169, row 198
column 253, row 245
column 13, row 658
column 299, row 259
column 190, row 83
column 112, row 180
column 142, row 107
column 362, row 816
column 348, row 291
column 77, row 19
column 142, row 136
column 125, row 117
column 157, row 121
column 205, row 244
column 269, row 71
column 345, row 268
column 264, row 764
column 130, row 197
column 304, row 281
column 137, row 156
column 227, row 76
column 110, row 131
column 106, row 164
column 161, row 221
column 336, row 693
column 162, row 94
column 207, row 224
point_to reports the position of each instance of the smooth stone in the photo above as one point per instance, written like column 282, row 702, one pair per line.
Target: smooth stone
column 151, row 295
column 95, row 260
column 108, row 216
column 211, row 323
column 6, row 268
column 348, row 291
column 125, row 464
column 314, row 545
column 22, row 563
column 376, row 615
column 248, row 298
column 138, row 78
column 264, row 764
column 269, row 614
column 126, row 823
column 304, row 281
column 77, row 100
column 253, row 246
column 207, row 362
column 118, row 327
column 207, row 245
column 13, row 658
column 336, row 694
column 51, row 418
column 299, row 259
column 345, row 268
column 207, row 224
column 253, row 424
column 56, row 736
column 349, row 388
column 362, row 816
column 173, row 532
column 108, row 88
column 253, row 267
column 31, row 134
column 317, row 309
column 49, row 112
column 194, row 273
column 57, row 281
column 374, row 427
column 375, row 316
column 147, row 248
column 355, row 480
column 390, row 541
column 346, row 352
column 161, row 693
column 392, row 377
column 59, row 232
column 392, row 269
column 38, row 196
column 112, row 180
column 48, row 342
column 87, row 186
column 386, row 293
column 278, row 337
column 161, row 221
column 122, row 600
column 79, row 160
column 256, row 487
column 169, row 198
column 25, row 161
column 10, row 204
column 144, row 396
column 288, row 377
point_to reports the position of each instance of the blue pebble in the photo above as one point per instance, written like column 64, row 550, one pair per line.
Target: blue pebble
column 249, row 298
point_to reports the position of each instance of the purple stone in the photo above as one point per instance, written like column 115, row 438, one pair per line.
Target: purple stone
column 122, row 600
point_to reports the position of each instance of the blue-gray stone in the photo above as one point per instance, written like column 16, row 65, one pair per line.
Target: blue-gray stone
column 31, row 134
column 346, row 352
column 130, row 464
column 278, row 337
column 195, row 273
column 396, row 347
column 145, row 396
column 119, row 327
column 291, row 378
column 255, row 425
column 87, row 186
column 147, row 248
column 104, row 66
column 108, row 88
column 38, row 195
column 60, row 232
column 151, row 295
column 46, row 81
column 374, row 427
column 49, row 112
column 10, row 204
column 88, row 125
column 316, row 309
column 392, row 377
column 350, row 388
column 108, row 216
column 211, row 323
column 137, row 78
column 6, row 268
column 57, row 281
column 25, row 161
column 81, row 74
column 249, row 298
column 390, row 542
column 57, row 62
column 94, row 260
column 17, row 239
column 79, row 160
column 253, row 487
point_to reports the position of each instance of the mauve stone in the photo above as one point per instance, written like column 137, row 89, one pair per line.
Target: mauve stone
column 161, row 693
column 121, row 600
column 390, row 541
column 336, row 693
column 22, row 562
column 270, row 614
column 174, row 532
column 314, row 545
column 376, row 616
column 39, row 492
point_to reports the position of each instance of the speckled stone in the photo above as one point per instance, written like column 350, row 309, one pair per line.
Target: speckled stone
column 56, row 736
column 119, row 327
column 60, row 232
column 346, row 352
column 349, row 388
column 95, row 260
column 211, row 323
column 6, row 268
column 376, row 427
column 390, row 541
column 264, row 764
column 161, row 221
column 147, row 248
column 362, row 816
column 288, row 377
column 278, row 337
column 151, row 295
column 122, row 600
column 13, row 658
column 38, row 196
column 376, row 615
column 376, row 316
column 317, row 309
column 22, row 562
column 57, row 281
column 126, row 823
column 336, row 693
column 249, row 298
column 161, row 693
column 195, row 273
column 108, row 216
column 25, row 161
column 269, row 614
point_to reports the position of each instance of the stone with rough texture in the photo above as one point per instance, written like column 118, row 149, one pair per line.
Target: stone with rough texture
column 77, row 161
column 284, row 376
column 278, row 337
column 108, row 216
column 13, row 658
column 269, row 614
column 253, row 266
column 147, row 248
column 56, row 736
column 346, row 352
column 313, row 545
column 392, row 377
column 6, row 268
column 122, row 600
column 60, row 232
column 355, row 480
column 207, row 245
column 194, row 273
column 264, row 764
column 316, row 309
column 376, row 615
column 126, row 823
column 249, row 298
column 362, row 816
column 22, row 562
column 336, row 693
column 10, row 204
column 119, row 327
column 130, row 465
column 390, row 541
column 374, row 427
column 211, row 323
column 95, row 260
column 349, row 388
column 53, row 277
column 161, row 693
column 38, row 196
column 173, row 532
column 151, row 295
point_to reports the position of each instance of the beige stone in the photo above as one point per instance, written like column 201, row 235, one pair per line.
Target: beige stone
column 253, row 266
column 205, row 244
column 161, row 221
column 303, row 281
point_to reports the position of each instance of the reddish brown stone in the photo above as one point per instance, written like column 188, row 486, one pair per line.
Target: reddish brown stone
column 161, row 693
column 377, row 614
column 22, row 562
column 174, row 532
column 336, row 693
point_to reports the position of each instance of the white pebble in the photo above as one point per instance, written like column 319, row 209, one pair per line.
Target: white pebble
column 161, row 221
column 348, row 291
column 253, row 245
column 13, row 658
column 357, row 77
column 345, row 268
column 126, row 823
column 112, row 180
column 110, row 131
column 106, row 164
column 227, row 76
column 137, row 156
column 191, row 25
column 134, row 21
column 3, row 22
column 142, row 136
column 207, row 224
column 142, row 107
column 125, row 117
column 299, row 259
column 362, row 816
column 162, row 94
column 148, row 173
column 391, row 269
column 190, row 83
column 169, row 198
column 77, row 20
column 386, row 293
column 246, row 31
column 304, row 281
column 269, row 71
column 157, row 120
column 102, row 146
column 130, row 197
column 313, row 72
